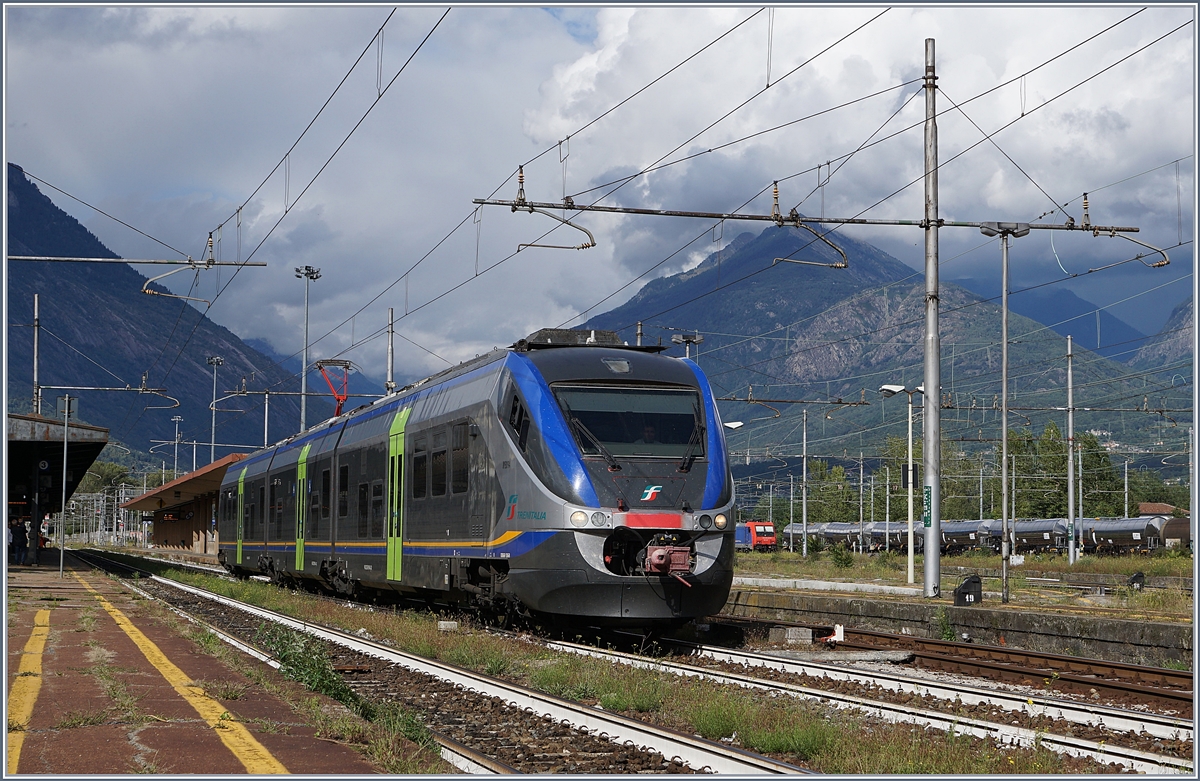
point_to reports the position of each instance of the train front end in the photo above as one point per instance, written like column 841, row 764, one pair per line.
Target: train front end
column 625, row 461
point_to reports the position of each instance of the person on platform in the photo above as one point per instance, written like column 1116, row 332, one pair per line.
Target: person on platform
column 10, row 550
column 20, row 541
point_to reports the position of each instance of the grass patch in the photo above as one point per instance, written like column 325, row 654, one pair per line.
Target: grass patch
column 224, row 690
column 86, row 622
column 484, row 654
column 615, row 688
column 73, row 719
column 269, row 727
column 124, row 702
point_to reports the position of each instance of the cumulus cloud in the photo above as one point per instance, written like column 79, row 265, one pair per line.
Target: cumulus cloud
column 171, row 117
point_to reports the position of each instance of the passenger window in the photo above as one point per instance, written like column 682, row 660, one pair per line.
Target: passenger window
column 326, row 488
column 343, row 491
column 314, row 511
column 377, row 509
column 438, row 462
column 459, row 454
column 419, row 468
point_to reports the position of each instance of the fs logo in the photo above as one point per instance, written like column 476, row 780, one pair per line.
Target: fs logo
column 651, row 493
column 512, row 507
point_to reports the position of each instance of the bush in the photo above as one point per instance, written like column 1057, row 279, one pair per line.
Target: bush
column 841, row 556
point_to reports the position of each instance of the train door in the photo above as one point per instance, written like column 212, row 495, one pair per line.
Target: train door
column 302, row 491
column 395, row 495
column 241, row 515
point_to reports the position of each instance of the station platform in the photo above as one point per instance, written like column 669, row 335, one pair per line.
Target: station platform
column 99, row 683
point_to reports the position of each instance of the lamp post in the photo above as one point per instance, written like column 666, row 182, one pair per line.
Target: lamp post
column 308, row 274
column 804, row 490
column 1005, row 230
column 687, row 340
column 892, row 390
column 175, row 465
column 214, row 361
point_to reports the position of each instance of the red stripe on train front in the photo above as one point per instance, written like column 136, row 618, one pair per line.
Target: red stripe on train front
column 649, row 520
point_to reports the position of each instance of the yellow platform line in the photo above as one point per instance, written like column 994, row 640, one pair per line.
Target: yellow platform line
column 256, row 758
column 26, row 687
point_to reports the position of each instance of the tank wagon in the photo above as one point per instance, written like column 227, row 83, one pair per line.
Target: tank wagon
column 567, row 476
column 1141, row 534
column 970, row 535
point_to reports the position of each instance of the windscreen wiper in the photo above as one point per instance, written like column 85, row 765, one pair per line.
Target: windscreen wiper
column 698, row 431
column 583, row 430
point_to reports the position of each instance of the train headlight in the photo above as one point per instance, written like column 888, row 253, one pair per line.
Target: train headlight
column 598, row 519
column 705, row 521
column 721, row 521
column 579, row 518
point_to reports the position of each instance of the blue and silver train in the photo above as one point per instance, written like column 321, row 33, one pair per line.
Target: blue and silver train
column 567, row 476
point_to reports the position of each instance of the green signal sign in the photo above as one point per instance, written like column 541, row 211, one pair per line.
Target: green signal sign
column 927, row 508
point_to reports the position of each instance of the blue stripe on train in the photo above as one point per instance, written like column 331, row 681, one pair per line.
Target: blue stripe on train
column 715, row 480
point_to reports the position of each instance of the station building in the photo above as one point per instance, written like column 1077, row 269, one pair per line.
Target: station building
column 184, row 511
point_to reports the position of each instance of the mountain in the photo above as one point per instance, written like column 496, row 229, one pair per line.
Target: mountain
column 99, row 330
column 835, row 335
column 1172, row 345
column 1068, row 314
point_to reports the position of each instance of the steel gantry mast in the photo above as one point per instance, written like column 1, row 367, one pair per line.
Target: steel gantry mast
column 932, row 429
column 931, row 223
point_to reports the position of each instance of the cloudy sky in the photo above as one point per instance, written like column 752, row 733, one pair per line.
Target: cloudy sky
column 185, row 121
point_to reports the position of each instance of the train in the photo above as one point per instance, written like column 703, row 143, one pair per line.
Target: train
column 567, row 477
column 754, row 535
column 1141, row 534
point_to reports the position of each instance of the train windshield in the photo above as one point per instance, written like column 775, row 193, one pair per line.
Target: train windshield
column 634, row 421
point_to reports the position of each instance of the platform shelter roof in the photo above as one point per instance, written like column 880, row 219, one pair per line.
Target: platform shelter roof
column 182, row 490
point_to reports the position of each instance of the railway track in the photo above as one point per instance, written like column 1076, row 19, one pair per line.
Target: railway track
column 1124, row 683
column 1040, row 715
column 1101, row 734
column 503, row 726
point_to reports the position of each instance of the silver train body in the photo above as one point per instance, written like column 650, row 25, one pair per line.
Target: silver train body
column 530, row 481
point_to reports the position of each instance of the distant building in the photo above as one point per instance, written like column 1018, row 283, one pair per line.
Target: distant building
column 1161, row 508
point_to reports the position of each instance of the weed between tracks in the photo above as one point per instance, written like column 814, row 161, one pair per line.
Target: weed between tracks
column 829, row 741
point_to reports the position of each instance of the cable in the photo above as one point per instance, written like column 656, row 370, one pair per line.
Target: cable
column 463, row 221
column 1007, row 157
column 305, row 190
column 367, row 48
column 100, row 211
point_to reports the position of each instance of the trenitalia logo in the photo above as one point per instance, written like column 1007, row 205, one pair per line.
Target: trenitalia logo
column 651, row 493
column 512, row 507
